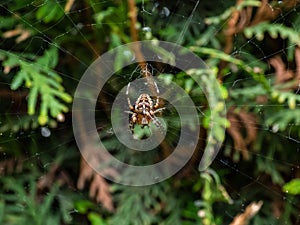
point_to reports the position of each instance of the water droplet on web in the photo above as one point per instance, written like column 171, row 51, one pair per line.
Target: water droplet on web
column 110, row 131
column 45, row 132
column 146, row 29
column 275, row 128
column 129, row 55
column 165, row 12
column 61, row 117
column 80, row 25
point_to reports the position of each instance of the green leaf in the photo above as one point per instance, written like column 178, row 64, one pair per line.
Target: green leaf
column 2, row 212
column 18, row 80
column 50, row 11
column 83, row 206
column 95, row 219
column 42, row 81
column 292, row 187
column 32, row 99
column 49, row 59
column 274, row 30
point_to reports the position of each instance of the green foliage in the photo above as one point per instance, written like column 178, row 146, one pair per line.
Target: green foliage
column 292, row 187
column 44, row 69
column 88, row 208
column 227, row 13
column 19, row 204
column 55, row 13
column 212, row 191
column 274, row 30
column 38, row 75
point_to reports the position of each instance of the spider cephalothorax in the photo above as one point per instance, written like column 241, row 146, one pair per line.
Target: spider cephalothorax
column 144, row 110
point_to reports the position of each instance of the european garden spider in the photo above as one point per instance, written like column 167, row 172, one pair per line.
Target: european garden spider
column 144, row 110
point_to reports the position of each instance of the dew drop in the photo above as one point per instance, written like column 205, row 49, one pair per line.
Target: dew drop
column 45, row 132
column 275, row 128
column 146, row 29
column 61, row 117
column 110, row 131
column 165, row 12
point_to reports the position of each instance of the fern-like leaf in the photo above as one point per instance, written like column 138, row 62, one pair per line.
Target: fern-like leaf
column 39, row 77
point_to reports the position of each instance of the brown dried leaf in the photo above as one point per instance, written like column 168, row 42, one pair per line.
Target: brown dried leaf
column 297, row 59
column 69, row 5
column 54, row 176
column 282, row 74
column 242, row 123
column 251, row 211
column 249, row 121
column 265, row 12
column 86, row 174
column 8, row 166
column 12, row 33
column 46, row 180
column 24, row 34
column 238, row 140
column 99, row 188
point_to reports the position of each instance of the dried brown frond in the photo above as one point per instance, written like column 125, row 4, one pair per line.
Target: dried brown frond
column 9, row 166
column 231, row 28
column 54, row 175
column 283, row 75
column 250, row 211
column 99, row 188
column 249, row 122
column 23, row 34
column 265, row 12
column 297, row 59
column 69, row 5
column 241, row 19
column 242, row 130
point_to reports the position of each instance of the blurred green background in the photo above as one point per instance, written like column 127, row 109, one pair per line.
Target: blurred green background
column 251, row 47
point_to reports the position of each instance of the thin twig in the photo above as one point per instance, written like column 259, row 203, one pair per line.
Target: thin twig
column 135, row 37
column 244, row 218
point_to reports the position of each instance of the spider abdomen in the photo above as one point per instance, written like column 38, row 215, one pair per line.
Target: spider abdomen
column 144, row 110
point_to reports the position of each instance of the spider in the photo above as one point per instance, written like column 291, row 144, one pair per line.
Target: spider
column 144, row 110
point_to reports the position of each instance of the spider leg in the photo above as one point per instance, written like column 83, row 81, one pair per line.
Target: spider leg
column 155, row 121
column 157, row 97
column 132, row 120
column 129, row 112
column 158, row 110
column 128, row 100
